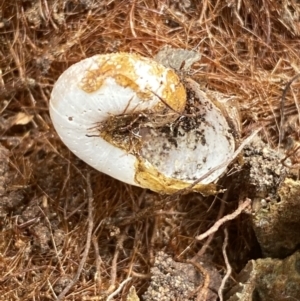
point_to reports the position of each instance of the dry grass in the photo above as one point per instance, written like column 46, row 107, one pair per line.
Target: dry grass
column 250, row 50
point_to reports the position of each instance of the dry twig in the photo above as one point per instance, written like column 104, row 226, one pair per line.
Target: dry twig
column 228, row 266
column 203, row 249
column 113, row 274
column 225, row 219
column 202, row 289
column 117, row 291
column 98, row 262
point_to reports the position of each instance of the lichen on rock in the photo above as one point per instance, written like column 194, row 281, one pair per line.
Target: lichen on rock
column 277, row 223
column 268, row 279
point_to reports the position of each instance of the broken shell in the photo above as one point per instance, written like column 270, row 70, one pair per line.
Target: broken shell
column 129, row 117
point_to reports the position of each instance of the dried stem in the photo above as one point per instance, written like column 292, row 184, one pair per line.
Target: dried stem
column 97, row 277
column 113, row 274
column 203, row 249
column 228, row 266
column 203, row 287
column 225, row 219
column 117, row 291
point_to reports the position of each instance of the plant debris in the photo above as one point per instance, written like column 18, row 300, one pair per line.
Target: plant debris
column 249, row 52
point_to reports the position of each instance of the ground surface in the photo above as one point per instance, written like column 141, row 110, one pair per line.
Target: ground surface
column 249, row 52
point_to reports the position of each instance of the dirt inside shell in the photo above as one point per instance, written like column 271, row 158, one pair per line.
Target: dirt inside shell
column 132, row 131
column 174, row 144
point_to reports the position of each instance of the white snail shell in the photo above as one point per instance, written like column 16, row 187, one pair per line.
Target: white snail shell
column 127, row 116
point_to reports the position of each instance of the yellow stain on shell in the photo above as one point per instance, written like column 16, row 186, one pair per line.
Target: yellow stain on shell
column 147, row 176
column 174, row 93
column 122, row 66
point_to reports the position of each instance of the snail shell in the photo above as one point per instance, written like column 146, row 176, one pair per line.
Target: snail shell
column 133, row 119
